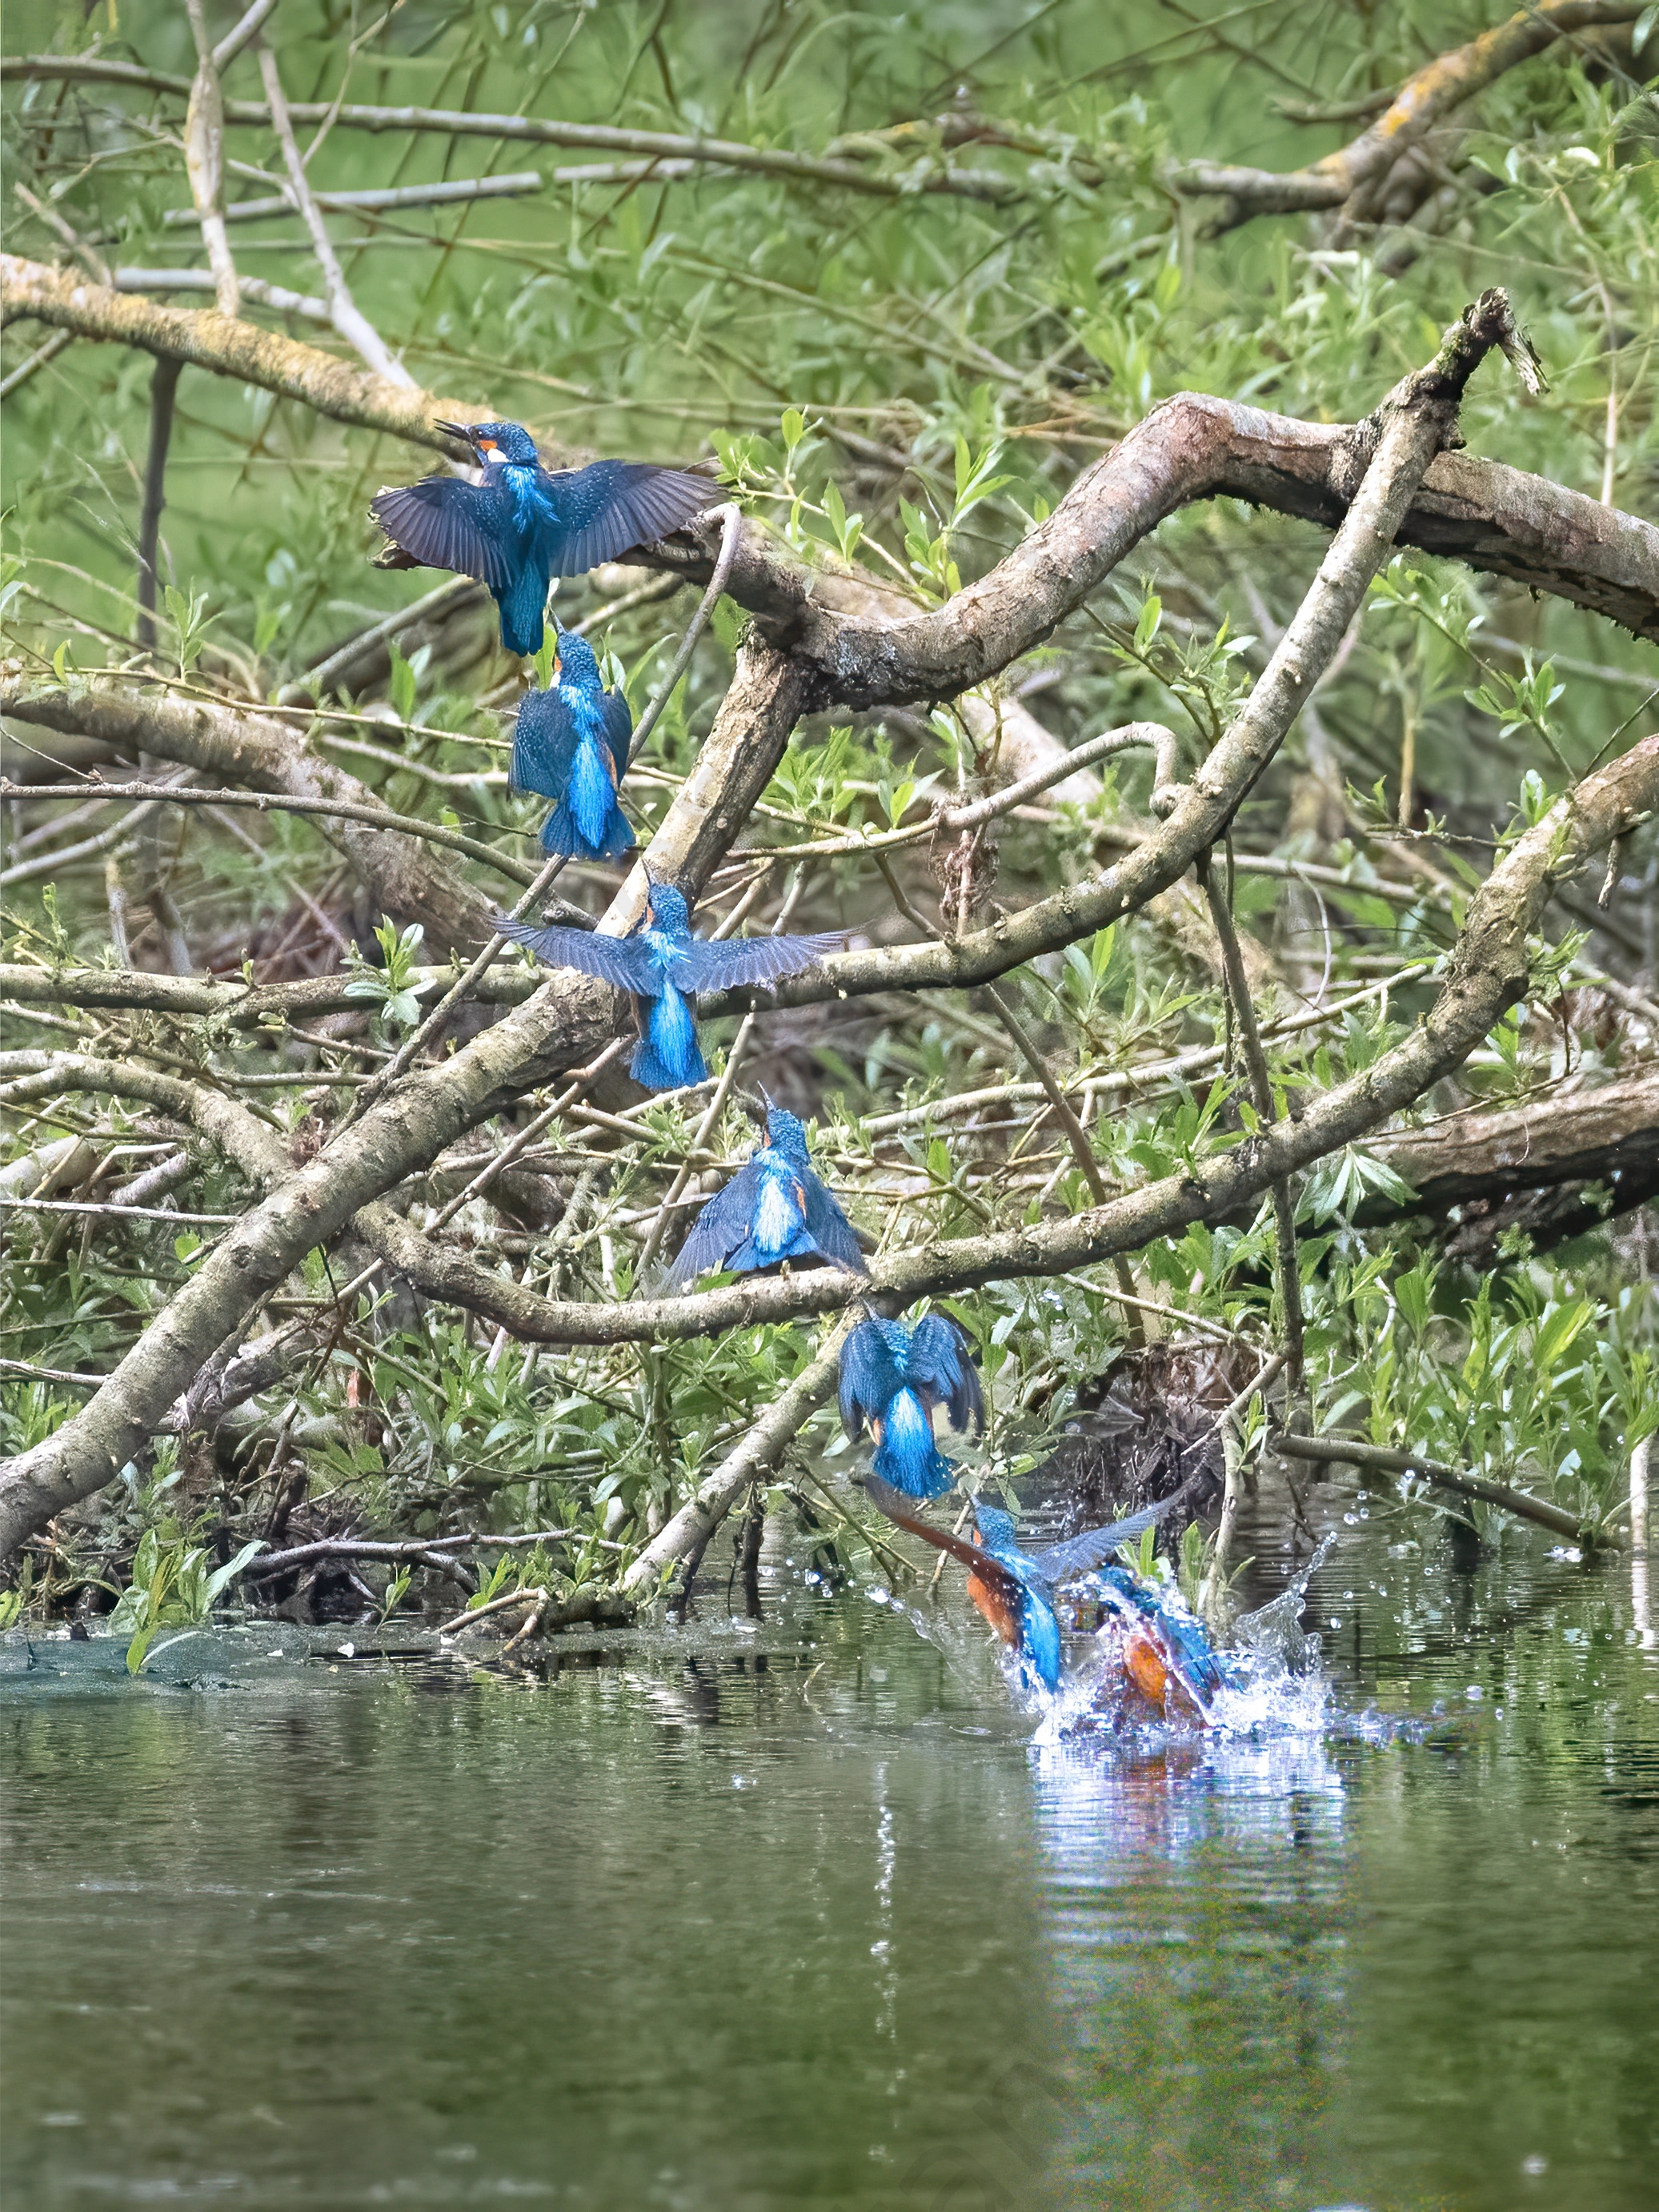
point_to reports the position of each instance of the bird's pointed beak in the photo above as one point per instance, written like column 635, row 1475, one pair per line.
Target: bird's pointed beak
column 466, row 432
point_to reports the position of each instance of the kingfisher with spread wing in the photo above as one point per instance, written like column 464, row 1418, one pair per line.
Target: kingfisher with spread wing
column 774, row 1212
column 524, row 524
column 1016, row 1592
column 892, row 1377
column 665, row 967
column 1163, row 1652
column 570, row 743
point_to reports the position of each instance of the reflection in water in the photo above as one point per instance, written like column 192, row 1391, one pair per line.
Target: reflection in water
column 741, row 1920
column 1198, row 1901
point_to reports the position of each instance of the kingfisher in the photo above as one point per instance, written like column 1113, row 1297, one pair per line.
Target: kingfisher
column 664, row 966
column 892, row 1377
column 524, row 524
column 773, row 1210
column 1015, row 1593
column 570, row 743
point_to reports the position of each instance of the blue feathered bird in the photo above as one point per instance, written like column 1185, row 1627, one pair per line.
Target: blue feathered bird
column 1013, row 1591
column 891, row 1378
column 570, row 743
column 523, row 526
column 662, row 964
column 773, row 1209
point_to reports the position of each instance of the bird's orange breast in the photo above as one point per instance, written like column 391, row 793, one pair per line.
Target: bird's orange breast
column 994, row 1602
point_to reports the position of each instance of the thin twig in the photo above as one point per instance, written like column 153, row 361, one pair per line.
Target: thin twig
column 1262, row 1094
column 265, row 802
column 163, row 385
column 204, row 164
column 350, row 320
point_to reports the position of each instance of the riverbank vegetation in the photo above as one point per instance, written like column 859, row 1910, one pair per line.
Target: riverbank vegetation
column 1289, row 1063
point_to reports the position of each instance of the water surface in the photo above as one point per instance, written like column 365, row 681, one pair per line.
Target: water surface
column 731, row 1919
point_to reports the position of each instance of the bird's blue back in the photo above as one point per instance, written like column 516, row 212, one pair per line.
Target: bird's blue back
column 773, row 1209
column 571, row 744
column 524, row 524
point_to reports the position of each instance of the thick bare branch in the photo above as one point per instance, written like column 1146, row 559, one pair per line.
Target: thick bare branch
column 868, row 642
column 242, row 350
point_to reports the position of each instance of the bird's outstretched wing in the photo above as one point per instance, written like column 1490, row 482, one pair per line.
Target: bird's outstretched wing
column 870, row 1378
column 440, row 523
column 940, row 1363
column 1081, row 1555
column 734, row 961
column 544, row 746
column 718, row 1230
column 607, row 508
column 621, row 962
column 829, row 1229
column 618, row 729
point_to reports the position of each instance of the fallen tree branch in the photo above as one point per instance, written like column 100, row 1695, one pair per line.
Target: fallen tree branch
column 429, row 1108
column 1349, row 1451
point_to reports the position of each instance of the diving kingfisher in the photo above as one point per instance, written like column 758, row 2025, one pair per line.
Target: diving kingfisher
column 525, row 525
column 664, row 966
column 773, row 1210
column 892, row 1377
column 570, row 743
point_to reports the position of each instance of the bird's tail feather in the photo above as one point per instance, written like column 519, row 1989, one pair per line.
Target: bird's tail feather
column 523, row 606
column 562, row 840
column 906, row 1455
column 668, row 1056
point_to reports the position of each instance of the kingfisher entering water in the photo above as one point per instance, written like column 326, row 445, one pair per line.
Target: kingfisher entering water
column 524, row 524
column 1164, row 1653
column 661, row 962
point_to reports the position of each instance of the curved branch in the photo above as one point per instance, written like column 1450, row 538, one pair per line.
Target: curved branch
column 1425, row 99
column 870, row 645
column 1489, row 975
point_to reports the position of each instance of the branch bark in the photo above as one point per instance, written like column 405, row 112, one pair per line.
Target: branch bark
column 1425, row 99
column 263, row 754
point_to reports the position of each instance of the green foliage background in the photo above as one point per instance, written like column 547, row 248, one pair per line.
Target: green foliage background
column 814, row 339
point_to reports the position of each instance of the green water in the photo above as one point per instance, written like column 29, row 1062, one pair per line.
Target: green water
column 733, row 1920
